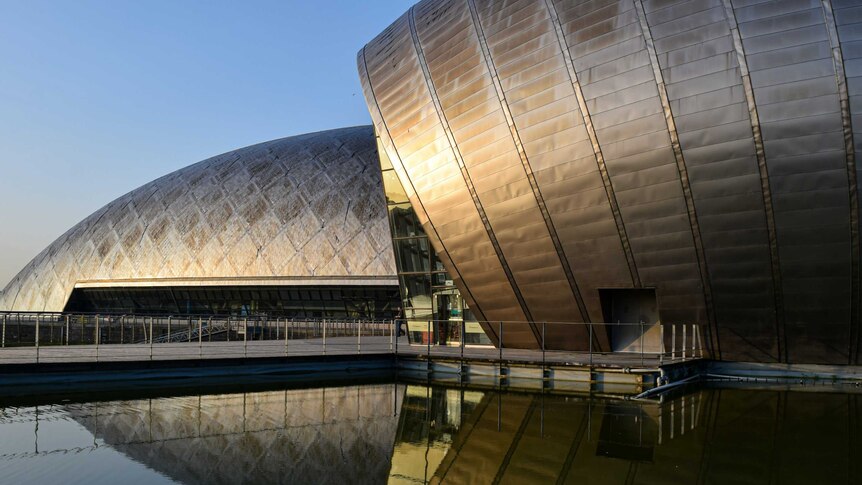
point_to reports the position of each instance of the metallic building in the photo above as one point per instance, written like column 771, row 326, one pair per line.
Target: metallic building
column 301, row 213
column 559, row 152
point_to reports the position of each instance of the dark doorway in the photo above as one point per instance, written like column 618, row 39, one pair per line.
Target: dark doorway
column 636, row 312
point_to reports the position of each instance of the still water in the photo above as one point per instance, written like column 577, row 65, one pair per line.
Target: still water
column 406, row 434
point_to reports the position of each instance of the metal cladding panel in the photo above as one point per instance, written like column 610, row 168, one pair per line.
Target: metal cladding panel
column 848, row 20
column 482, row 137
column 538, row 89
column 308, row 206
column 704, row 147
column 612, row 61
column 417, row 143
column 701, row 69
column 787, row 45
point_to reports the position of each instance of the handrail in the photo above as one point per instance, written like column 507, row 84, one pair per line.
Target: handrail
column 47, row 332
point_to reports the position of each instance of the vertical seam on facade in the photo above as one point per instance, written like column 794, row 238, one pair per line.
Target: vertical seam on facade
column 465, row 174
column 847, row 123
column 525, row 162
column 367, row 77
column 594, row 141
column 683, row 173
column 760, row 152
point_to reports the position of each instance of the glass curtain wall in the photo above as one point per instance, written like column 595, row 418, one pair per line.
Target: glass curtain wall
column 274, row 301
column 431, row 304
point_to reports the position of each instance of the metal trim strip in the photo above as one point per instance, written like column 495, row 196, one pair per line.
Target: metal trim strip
column 760, row 152
column 525, row 162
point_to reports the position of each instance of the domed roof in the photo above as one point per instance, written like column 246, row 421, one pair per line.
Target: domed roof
column 307, row 207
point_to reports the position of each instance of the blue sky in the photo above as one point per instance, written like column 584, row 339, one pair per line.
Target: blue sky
column 100, row 97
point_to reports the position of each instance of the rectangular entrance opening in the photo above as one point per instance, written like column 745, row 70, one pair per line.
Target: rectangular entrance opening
column 636, row 312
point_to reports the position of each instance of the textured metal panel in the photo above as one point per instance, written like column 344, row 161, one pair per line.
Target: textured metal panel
column 766, row 190
column 525, row 163
column 681, row 166
column 480, row 135
column 419, row 145
column 610, row 56
column 612, row 278
column 788, row 51
column 670, row 141
column 308, row 206
column 849, row 149
column 848, row 21
column 696, row 53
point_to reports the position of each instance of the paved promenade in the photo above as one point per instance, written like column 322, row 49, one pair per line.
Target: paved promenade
column 333, row 346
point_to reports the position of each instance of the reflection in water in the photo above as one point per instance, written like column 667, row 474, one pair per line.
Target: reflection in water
column 295, row 436
column 418, row 434
column 710, row 436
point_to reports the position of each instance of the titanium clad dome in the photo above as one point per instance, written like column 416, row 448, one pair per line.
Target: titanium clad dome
column 307, row 207
column 555, row 149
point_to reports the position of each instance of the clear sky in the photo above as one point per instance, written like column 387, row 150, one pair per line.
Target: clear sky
column 100, row 97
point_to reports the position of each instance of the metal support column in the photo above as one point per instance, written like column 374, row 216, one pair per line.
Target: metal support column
column 151, row 338
column 37, row 338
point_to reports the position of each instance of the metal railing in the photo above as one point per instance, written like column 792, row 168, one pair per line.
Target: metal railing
column 588, row 343
column 27, row 337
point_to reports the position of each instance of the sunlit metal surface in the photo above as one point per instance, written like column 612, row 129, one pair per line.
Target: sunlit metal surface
column 305, row 210
column 704, row 148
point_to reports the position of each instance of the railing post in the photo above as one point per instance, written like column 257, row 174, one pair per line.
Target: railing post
column 392, row 334
column 201, row 337
column 359, row 337
column 673, row 342
column 428, row 339
column 67, row 330
column 151, row 338
column 642, row 342
column 169, row 329
column 122, row 327
column 98, row 338
column 501, row 342
column 661, row 344
column 395, row 332
column 245, row 337
column 37, row 338
column 684, row 340
column 324, row 336
column 286, row 336
column 3, row 344
column 463, row 339
column 543, row 346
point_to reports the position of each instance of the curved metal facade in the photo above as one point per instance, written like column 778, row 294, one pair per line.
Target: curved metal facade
column 307, row 209
column 703, row 148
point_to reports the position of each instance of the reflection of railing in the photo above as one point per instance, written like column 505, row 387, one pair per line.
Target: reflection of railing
column 76, row 337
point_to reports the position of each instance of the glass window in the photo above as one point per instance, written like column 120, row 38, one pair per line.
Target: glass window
column 404, row 221
column 413, row 255
column 416, row 291
column 395, row 193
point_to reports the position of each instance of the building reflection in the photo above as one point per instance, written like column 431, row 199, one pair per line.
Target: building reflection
column 322, row 435
column 408, row 434
column 711, row 436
